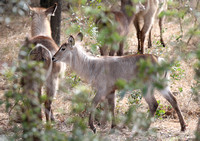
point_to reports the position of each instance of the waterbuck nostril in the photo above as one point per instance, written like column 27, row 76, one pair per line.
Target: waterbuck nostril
column 53, row 58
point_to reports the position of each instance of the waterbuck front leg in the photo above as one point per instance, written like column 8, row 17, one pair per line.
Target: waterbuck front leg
column 100, row 95
column 51, row 86
column 172, row 100
column 111, row 102
column 148, row 21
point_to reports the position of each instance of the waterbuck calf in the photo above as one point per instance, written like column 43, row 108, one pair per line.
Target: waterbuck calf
column 103, row 73
column 44, row 48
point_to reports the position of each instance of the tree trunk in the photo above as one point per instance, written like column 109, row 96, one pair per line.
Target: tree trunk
column 55, row 20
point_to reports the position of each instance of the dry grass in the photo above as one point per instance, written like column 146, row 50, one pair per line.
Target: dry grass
column 13, row 35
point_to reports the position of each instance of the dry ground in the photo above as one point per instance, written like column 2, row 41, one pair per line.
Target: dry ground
column 12, row 36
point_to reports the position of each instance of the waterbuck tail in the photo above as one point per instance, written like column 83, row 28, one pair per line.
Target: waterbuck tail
column 49, row 70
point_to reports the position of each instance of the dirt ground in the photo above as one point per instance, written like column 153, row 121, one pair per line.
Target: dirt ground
column 12, row 36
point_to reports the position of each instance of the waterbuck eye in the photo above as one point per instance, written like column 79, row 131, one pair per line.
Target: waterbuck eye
column 63, row 49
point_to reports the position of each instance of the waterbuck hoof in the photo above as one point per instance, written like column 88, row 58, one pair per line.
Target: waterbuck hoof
column 52, row 119
column 99, row 124
column 163, row 44
column 149, row 45
column 183, row 128
column 94, row 130
column 113, row 126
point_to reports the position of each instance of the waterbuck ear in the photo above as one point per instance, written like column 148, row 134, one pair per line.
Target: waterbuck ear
column 51, row 10
column 27, row 40
column 71, row 40
column 31, row 11
column 79, row 37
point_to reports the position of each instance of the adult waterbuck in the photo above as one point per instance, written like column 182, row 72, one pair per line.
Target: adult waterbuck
column 152, row 9
column 119, row 21
column 103, row 73
column 44, row 48
column 162, row 7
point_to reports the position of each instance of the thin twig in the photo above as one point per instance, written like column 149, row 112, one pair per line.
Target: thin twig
column 12, row 108
column 190, row 99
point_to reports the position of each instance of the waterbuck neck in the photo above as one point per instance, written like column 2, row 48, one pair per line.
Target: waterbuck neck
column 81, row 63
column 40, row 26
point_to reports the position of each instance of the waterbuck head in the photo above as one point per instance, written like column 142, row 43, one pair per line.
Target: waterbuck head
column 40, row 20
column 42, row 12
column 66, row 49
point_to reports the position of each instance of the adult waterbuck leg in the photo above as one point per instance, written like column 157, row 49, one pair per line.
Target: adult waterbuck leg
column 162, row 7
column 161, row 20
column 120, row 52
column 149, row 41
column 147, row 26
column 51, row 87
column 137, row 27
column 41, row 36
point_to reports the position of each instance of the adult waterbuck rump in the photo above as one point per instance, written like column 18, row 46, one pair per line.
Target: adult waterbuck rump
column 41, row 47
column 103, row 73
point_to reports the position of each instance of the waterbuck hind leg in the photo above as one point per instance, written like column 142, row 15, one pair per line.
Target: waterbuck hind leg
column 172, row 100
column 51, row 87
column 48, row 111
column 39, row 97
column 152, row 103
column 161, row 19
column 149, row 40
column 146, row 28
